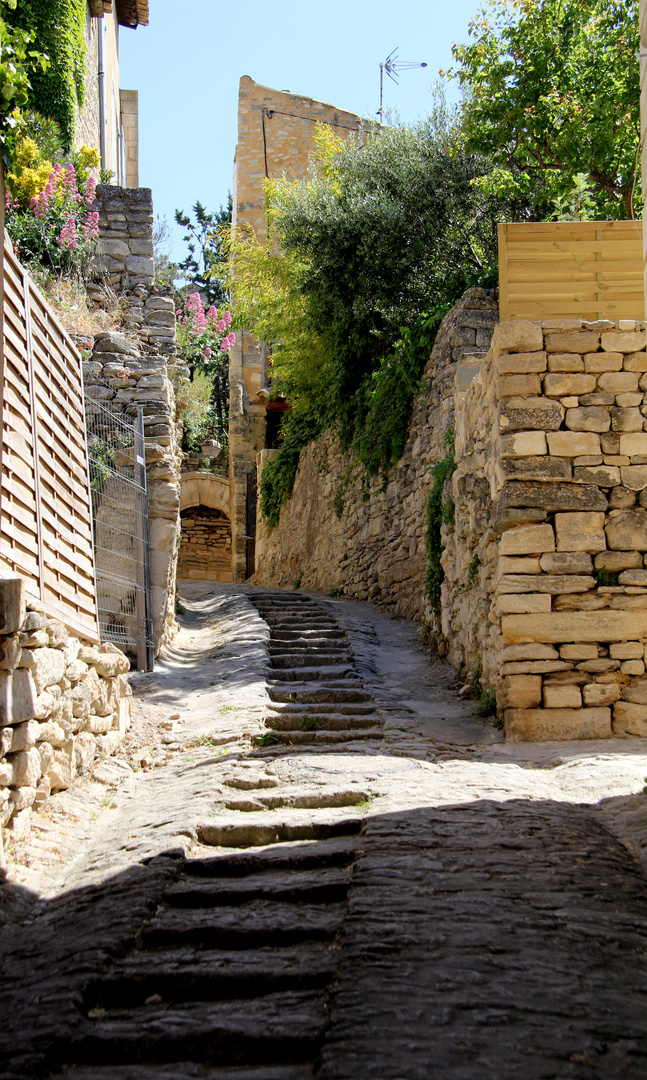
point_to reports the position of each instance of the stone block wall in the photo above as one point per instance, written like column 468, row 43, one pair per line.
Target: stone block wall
column 205, row 547
column 123, row 373
column 140, row 367
column 545, row 589
column 376, row 550
column 551, row 514
column 125, row 250
column 62, row 703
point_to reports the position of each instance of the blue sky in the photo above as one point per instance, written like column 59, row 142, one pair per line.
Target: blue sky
column 187, row 63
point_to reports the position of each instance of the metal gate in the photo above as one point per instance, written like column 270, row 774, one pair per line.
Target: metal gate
column 117, row 465
column 250, row 523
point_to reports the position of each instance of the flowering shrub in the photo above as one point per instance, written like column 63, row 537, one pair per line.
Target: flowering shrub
column 56, row 228
column 205, row 340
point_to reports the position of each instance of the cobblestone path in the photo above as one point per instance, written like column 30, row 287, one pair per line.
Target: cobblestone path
column 372, row 904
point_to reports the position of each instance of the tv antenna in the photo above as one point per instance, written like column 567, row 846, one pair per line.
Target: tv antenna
column 393, row 67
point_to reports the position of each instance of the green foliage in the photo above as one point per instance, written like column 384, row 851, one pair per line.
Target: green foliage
column 45, row 132
column 204, row 341
column 58, row 26
column 384, row 400
column 205, row 265
column 552, row 93
column 436, row 506
column 19, row 63
column 361, row 263
column 267, row 738
column 55, row 229
column 486, row 705
column 297, row 430
column 101, row 457
column 199, row 419
column 605, row 578
column 475, row 562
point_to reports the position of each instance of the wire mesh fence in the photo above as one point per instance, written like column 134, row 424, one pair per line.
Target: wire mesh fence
column 120, row 522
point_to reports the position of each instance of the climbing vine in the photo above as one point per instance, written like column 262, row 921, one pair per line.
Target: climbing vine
column 381, row 413
column 58, row 28
column 440, row 512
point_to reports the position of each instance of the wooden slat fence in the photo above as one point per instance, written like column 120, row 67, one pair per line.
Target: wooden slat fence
column 571, row 270
column 45, row 507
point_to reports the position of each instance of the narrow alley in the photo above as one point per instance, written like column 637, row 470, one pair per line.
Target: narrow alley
column 311, row 859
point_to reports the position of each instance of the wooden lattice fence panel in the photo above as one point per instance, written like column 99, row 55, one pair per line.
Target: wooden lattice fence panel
column 571, row 270
column 45, row 507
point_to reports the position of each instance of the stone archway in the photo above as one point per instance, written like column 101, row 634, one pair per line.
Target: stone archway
column 205, row 547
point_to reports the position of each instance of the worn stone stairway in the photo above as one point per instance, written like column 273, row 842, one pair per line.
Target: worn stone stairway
column 316, row 695
column 226, row 977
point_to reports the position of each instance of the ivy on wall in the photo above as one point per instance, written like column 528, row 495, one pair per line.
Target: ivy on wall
column 58, row 27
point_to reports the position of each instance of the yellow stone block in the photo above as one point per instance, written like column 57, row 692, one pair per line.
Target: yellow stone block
column 557, row 626
column 541, row 725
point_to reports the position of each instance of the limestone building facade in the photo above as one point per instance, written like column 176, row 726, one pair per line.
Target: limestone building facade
column 275, row 138
column 109, row 117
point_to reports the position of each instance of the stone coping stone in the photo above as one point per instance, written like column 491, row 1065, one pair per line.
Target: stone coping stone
column 539, row 725
column 575, row 626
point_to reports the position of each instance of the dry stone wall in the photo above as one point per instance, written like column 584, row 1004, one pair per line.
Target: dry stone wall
column 551, row 511
column 140, row 367
column 62, row 703
column 376, row 549
column 205, row 548
column 122, row 376
column 544, row 595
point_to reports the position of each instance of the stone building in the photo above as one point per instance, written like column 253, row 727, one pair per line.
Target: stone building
column 109, row 118
column 275, row 138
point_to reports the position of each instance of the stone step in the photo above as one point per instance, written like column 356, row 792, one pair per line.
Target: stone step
column 189, row 1070
column 326, row 886
column 306, row 635
column 308, row 694
column 186, row 974
column 263, row 831
column 317, row 799
column 306, row 659
column 330, row 645
column 328, row 722
column 330, row 737
column 272, row 1030
column 292, row 622
column 311, row 674
column 294, row 709
column 313, row 855
column 260, row 922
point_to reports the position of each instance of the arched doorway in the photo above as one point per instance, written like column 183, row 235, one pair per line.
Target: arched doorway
column 205, row 545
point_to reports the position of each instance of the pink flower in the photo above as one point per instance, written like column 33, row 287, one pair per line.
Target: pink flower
column 67, row 237
column 178, row 313
column 207, row 352
column 228, row 343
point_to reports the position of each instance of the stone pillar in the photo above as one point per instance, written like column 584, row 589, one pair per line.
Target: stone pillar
column 125, row 251
column 130, row 121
